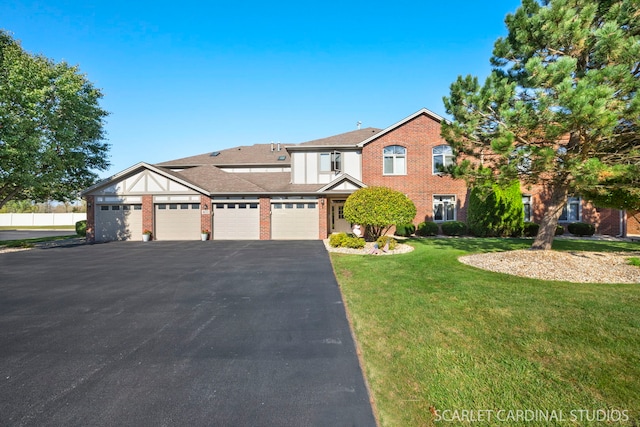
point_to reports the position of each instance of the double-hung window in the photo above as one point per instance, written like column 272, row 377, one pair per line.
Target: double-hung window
column 444, row 208
column 442, row 158
column 395, row 160
column 571, row 211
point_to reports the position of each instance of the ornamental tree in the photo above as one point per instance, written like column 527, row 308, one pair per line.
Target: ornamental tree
column 378, row 209
column 560, row 108
column 51, row 127
column 495, row 210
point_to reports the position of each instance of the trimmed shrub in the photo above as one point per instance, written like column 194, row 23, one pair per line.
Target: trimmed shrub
column 495, row 210
column 531, row 229
column 342, row 240
column 405, row 230
column 81, row 228
column 378, row 208
column 337, row 239
column 383, row 240
column 559, row 230
column 581, row 229
column 453, row 228
column 428, row 228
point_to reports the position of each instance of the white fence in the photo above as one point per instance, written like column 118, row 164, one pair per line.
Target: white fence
column 40, row 219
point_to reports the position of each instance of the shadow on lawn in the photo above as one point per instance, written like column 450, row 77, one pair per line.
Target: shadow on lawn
column 492, row 244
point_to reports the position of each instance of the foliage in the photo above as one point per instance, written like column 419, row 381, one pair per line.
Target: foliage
column 52, row 127
column 428, row 228
column 405, row 230
column 559, row 230
column 581, row 229
column 496, row 210
column 384, row 240
column 378, row 209
column 148, row 232
column 342, row 240
column 19, row 206
column 530, row 229
column 559, row 109
column 453, row 228
column 81, row 228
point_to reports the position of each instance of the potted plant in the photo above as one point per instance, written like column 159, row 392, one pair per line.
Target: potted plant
column 146, row 235
column 204, row 235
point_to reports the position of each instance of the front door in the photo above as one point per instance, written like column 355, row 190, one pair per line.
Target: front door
column 338, row 223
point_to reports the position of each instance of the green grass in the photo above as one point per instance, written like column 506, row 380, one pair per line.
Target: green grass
column 634, row 261
column 28, row 243
column 435, row 333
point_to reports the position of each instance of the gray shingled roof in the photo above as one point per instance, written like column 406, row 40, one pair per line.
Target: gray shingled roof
column 258, row 154
column 348, row 138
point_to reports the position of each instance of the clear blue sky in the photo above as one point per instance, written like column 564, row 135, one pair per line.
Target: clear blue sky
column 185, row 78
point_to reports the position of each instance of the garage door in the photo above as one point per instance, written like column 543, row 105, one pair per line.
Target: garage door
column 118, row 222
column 294, row 221
column 177, row 221
column 236, row 220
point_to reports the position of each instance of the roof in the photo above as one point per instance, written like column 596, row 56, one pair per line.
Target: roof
column 258, row 154
column 347, row 138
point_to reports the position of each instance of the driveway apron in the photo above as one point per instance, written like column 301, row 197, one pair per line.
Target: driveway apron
column 212, row 333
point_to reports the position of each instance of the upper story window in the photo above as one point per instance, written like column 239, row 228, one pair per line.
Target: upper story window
column 331, row 162
column 571, row 211
column 395, row 160
column 442, row 158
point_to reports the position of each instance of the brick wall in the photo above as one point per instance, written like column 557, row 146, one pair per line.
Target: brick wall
column 206, row 222
column 147, row 214
column 633, row 223
column 418, row 136
column 323, row 204
column 265, row 218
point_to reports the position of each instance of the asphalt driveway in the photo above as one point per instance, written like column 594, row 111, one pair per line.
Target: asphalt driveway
column 177, row 333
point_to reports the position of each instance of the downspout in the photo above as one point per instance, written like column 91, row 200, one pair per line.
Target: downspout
column 623, row 224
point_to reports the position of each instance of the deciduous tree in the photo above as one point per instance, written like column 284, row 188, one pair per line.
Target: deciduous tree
column 560, row 108
column 51, row 127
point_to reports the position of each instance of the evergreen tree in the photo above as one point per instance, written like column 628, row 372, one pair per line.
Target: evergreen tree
column 559, row 108
column 495, row 210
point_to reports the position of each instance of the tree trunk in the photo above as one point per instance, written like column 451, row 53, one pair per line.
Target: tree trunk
column 554, row 206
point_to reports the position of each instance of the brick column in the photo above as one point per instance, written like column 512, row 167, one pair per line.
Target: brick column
column 206, row 215
column 147, row 214
column 323, row 206
column 91, row 218
column 265, row 218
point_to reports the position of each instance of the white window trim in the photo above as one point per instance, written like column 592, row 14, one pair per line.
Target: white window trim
column 455, row 207
column 530, row 203
column 444, row 159
column 570, row 200
column 406, row 166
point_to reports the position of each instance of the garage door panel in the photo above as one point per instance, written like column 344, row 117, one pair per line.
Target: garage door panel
column 236, row 221
column 118, row 222
column 294, row 221
column 177, row 221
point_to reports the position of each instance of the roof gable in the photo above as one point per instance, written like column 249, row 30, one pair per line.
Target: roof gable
column 394, row 126
column 341, row 183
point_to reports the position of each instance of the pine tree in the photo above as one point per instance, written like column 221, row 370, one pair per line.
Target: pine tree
column 559, row 108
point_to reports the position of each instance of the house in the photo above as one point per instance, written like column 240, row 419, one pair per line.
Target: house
column 295, row 191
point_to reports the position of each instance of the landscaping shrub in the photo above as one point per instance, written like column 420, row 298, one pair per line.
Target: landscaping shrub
column 559, row 230
column 383, row 240
column 495, row 210
column 453, row 228
column 81, row 228
column 581, row 229
column 405, row 230
column 428, row 228
column 531, row 229
column 342, row 240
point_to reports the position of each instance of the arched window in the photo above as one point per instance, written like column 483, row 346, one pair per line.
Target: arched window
column 442, row 158
column 395, row 160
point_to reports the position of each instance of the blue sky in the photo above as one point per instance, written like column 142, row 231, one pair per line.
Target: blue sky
column 186, row 78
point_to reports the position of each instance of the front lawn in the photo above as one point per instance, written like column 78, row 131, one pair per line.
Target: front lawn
column 439, row 338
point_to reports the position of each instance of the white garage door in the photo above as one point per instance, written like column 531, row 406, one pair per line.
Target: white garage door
column 236, row 220
column 177, row 221
column 294, row 221
column 118, row 222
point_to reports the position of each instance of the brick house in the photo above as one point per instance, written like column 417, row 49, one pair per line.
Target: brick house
column 296, row 191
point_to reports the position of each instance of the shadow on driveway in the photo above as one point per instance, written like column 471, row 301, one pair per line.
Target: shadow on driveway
column 177, row 333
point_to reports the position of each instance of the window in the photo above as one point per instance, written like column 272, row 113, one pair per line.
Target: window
column 253, row 206
column 137, row 207
column 395, row 160
column 299, row 205
column 571, row 212
column 115, row 208
column 184, row 206
column 331, row 162
column 311, row 205
column 526, row 202
column 444, row 208
column 195, row 206
column 104, row 208
column 173, row 206
column 442, row 158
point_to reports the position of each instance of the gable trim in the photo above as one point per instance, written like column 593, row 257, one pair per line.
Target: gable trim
column 422, row 111
column 340, row 179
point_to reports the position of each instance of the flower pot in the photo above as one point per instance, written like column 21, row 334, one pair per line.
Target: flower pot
column 146, row 237
column 204, row 236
